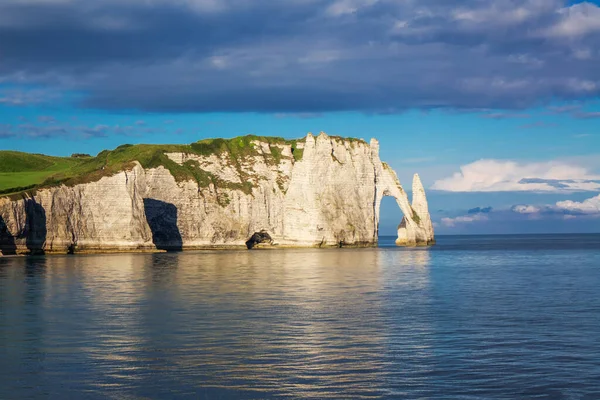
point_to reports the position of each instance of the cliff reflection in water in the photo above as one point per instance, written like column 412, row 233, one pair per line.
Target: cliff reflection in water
column 307, row 323
column 474, row 317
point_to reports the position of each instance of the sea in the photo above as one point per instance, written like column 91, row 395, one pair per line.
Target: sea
column 473, row 317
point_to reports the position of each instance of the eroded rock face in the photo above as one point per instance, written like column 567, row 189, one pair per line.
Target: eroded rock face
column 329, row 196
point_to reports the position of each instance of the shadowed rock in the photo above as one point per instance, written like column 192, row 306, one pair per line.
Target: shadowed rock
column 7, row 240
column 35, row 225
column 258, row 238
column 162, row 220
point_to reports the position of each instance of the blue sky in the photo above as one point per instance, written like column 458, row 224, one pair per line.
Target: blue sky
column 494, row 103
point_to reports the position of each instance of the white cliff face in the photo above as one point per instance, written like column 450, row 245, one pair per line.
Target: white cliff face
column 331, row 194
column 421, row 209
column 330, row 197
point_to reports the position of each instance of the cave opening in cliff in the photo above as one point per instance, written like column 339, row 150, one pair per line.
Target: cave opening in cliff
column 390, row 217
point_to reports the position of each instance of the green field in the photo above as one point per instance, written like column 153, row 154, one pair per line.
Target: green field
column 23, row 170
column 26, row 172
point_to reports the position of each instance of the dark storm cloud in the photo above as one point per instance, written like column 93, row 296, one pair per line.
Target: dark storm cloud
column 302, row 56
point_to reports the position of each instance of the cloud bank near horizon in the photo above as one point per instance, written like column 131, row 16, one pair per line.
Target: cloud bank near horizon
column 511, row 176
column 301, row 56
column 589, row 207
column 586, row 210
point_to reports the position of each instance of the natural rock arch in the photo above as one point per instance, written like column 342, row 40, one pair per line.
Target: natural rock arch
column 416, row 227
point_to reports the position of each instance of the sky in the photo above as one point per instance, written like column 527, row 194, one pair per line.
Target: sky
column 495, row 103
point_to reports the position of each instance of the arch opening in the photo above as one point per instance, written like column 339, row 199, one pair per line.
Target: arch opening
column 390, row 217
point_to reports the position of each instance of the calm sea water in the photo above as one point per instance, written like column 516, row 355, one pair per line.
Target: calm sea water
column 492, row 317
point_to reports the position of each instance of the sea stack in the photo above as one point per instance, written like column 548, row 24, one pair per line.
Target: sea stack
column 318, row 191
column 423, row 232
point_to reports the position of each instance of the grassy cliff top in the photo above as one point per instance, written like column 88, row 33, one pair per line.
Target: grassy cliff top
column 21, row 172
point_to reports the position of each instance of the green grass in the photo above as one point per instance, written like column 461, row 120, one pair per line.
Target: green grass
column 27, row 172
column 351, row 140
column 22, row 171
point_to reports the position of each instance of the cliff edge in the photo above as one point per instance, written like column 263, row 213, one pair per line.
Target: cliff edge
column 316, row 191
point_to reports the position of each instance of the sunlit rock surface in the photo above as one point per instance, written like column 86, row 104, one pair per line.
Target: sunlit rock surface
column 330, row 196
column 420, row 215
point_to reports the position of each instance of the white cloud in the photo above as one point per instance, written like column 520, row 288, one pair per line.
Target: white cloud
column 526, row 209
column 219, row 62
column 22, row 97
column 343, row 7
column 526, row 59
column 581, row 85
column 583, row 54
column 320, row 57
column 490, row 175
column 576, row 21
column 495, row 14
column 114, row 23
column 464, row 219
column 567, row 209
column 203, row 6
column 588, row 206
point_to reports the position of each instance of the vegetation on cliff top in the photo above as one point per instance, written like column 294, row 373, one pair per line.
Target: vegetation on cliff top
column 23, row 171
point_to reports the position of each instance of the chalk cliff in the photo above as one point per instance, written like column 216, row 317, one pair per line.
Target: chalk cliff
column 330, row 195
